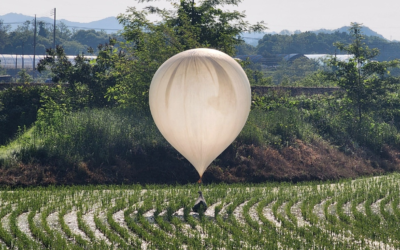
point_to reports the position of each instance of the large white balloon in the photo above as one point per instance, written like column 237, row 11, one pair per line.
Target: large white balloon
column 200, row 100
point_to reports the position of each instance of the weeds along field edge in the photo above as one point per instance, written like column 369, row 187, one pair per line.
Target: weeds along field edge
column 115, row 145
column 349, row 214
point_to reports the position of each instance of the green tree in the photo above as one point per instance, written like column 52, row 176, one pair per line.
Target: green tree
column 43, row 31
column 323, row 43
column 245, row 49
column 22, row 38
column 63, row 33
column 73, row 47
column 24, row 77
column 256, row 78
column 18, row 109
column 3, row 35
column 366, row 82
column 95, row 76
column 90, row 38
column 188, row 25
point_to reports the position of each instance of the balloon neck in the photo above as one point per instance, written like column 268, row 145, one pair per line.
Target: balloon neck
column 200, row 180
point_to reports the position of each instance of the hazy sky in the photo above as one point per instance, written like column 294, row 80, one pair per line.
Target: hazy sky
column 381, row 16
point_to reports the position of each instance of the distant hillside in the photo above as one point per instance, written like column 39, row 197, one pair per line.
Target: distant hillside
column 252, row 38
column 109, row 24
column 367, row 31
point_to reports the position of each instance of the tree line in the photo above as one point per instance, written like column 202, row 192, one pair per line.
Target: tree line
column 21, row 40
column 321, row 43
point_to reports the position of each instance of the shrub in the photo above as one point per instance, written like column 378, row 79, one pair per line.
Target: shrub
column 18, row 109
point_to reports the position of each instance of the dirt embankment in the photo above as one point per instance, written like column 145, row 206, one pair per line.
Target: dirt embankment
column 302, row 162
column 240, row 163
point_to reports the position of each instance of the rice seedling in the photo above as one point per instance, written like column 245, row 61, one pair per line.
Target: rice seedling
column 350, row 214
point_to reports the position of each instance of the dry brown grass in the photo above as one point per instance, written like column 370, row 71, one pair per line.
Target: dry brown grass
column 241, row 163
column 301, row 162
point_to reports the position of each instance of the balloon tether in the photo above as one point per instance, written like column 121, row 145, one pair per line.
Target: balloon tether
column 200, row 181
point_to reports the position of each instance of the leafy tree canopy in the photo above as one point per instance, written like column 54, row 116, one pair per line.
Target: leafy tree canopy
column 20, row 40
column 187, row 25
column 191, row 24
column 322, row 43
column 93, row 77
column 367, row 82
column 122, row 75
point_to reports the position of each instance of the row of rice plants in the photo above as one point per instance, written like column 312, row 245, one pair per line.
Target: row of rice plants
column 350, row 214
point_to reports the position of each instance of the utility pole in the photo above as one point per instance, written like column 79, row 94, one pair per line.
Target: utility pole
column 23, row 44
column 34, row 47
column 54, row 31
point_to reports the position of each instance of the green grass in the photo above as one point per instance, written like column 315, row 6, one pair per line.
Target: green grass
column 24, row 139
column 111, row 138
column 89, row 135
column 102, row 135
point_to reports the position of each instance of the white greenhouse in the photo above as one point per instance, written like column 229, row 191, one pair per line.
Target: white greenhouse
column 344, row 58
column 8, row 61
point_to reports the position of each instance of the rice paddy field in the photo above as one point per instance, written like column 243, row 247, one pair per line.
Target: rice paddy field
column 350, row 214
